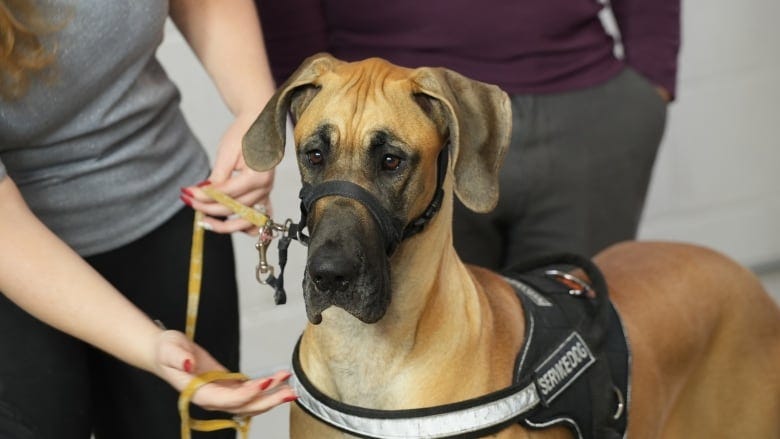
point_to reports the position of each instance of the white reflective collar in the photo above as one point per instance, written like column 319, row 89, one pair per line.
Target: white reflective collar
column 453, row 420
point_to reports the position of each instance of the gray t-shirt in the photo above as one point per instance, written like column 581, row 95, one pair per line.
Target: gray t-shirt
column 100, row 151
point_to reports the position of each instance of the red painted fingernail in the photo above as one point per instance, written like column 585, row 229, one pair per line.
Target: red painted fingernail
column 184, row 199
column 265, row 384
column 187, row 192
column 188, row 365
column 285, row 377
column 203, row 183
column 290, row 398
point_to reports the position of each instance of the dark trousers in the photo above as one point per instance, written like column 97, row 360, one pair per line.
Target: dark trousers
column 53, row 386
column 575, row 176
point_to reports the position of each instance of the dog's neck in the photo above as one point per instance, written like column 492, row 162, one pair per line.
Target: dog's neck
column 399, row 360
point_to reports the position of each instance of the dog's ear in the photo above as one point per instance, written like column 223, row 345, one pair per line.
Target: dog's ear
column 263, row 143
column 478, row 119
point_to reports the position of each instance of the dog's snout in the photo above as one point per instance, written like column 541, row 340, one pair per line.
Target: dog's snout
column 347, row 266
column 332, row 273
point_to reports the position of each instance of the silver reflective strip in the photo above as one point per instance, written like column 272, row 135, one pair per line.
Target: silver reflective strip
column 529, row 292
column 423, row 427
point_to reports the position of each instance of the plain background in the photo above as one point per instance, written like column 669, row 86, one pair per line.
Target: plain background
column 716, row 181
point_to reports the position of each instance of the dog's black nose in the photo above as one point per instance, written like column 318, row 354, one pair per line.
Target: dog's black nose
column 331, row 273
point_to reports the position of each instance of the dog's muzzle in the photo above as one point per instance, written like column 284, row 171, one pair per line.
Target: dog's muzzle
column 392, row 228
column 338, row 270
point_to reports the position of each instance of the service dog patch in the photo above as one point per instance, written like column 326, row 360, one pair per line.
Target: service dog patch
column 567, row 362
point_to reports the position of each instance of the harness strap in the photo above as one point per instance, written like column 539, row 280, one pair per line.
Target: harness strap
column 471, row 418
column 576, row 316
column 598, row 306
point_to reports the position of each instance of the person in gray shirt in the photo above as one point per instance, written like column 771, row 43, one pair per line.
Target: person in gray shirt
column 97, row 167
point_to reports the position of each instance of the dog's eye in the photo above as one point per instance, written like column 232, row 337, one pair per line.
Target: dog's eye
column 390, row 162
column 315, row 156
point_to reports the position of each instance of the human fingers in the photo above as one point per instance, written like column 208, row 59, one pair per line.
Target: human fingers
column 283, row 394
column 247, row 398
column 229, row 157
column 229, row 225
column 244, row 184
column 228, row 395
column 210, row 207
column 249, row 187
column 276, row 390
column 272, row 382
column 178, row 359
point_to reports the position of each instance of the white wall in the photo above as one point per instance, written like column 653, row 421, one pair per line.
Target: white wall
column 716, row 182
column 717, row 179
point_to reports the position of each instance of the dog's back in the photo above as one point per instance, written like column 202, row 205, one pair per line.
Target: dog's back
column 705, row 339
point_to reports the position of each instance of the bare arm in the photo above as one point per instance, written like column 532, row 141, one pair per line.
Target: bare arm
column 42, row 275
column 45, row 277
column 227, row 39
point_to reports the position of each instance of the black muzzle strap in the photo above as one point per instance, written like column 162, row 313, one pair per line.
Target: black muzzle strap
column 418, row 224
column 392, row 228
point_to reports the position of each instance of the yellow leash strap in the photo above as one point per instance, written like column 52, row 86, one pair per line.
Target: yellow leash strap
column 239, row 423
column 195, row 277
column 241, row 210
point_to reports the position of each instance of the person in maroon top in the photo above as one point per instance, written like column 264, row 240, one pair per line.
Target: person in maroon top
column 587, row 123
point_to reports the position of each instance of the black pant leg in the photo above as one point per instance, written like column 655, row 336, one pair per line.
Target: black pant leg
column 44, row 379
column 153, row 273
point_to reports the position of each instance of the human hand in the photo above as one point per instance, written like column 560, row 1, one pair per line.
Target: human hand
column 178, row 360
column 665, row 95
column 233, row 177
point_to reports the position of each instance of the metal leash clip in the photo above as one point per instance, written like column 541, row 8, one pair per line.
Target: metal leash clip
column 265, row 271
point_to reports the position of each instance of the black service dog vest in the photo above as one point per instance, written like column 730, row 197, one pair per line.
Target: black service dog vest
column 575, row 350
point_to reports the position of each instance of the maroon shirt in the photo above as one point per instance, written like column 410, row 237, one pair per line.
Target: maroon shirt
column 524, row 46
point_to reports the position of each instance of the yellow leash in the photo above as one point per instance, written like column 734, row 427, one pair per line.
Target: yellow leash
column 245, row 212
column 195, row 276
column 239, row 423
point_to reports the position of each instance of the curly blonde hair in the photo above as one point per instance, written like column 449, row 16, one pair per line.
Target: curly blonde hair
column 22, row 54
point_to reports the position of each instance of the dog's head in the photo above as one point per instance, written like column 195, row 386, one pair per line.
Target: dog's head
column 380, row 127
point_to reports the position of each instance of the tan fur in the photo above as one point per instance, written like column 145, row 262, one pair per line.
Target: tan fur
column 705, row 337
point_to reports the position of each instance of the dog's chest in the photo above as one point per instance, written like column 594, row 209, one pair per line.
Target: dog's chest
column 571, row 372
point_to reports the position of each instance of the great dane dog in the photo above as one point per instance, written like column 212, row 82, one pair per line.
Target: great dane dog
column 401, row 328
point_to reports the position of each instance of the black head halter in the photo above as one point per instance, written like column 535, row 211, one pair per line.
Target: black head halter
column 393, row 230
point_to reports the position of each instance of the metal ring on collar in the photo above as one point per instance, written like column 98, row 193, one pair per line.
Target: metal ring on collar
column 621, row 405
column 584, row 288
